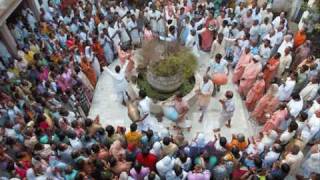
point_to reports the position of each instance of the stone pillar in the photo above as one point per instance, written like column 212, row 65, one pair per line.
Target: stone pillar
column 33, row 5
column 8, row 39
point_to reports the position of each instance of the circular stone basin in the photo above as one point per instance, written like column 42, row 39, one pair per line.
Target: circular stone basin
column 165, row 84
column 183, row 86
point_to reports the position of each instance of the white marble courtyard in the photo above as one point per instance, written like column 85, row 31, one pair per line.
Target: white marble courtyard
column 112, row 112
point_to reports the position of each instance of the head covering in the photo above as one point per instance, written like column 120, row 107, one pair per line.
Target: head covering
column 269, row 6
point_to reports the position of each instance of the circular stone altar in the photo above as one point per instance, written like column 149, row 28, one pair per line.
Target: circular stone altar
column 166, row 68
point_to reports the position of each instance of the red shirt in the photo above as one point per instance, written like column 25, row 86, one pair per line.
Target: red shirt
column 149, row 160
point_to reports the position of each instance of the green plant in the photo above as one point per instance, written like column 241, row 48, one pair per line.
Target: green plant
column 167, row 59
column 182, row 61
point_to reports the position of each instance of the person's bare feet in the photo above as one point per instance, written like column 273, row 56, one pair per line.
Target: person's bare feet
column 228, row 125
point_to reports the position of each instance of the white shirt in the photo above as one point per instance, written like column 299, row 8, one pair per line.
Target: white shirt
column 311, row 128
column 207, row 88
column 286, row 136
column 285, row 90
column 295, row 107
column 119, row 79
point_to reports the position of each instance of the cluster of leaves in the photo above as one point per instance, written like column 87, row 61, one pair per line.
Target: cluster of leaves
column 181, row 61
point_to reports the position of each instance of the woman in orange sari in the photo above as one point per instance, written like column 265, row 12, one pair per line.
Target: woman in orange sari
column 271, row 69
column 88, row 71
column 299, row 38
column 98, row 50
column 255, row 93
column 267, row 105
column 244, row 59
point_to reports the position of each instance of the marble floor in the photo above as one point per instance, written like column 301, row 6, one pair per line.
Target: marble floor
column 112, row 112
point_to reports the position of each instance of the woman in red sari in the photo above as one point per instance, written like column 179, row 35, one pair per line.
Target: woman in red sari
column 207, row 36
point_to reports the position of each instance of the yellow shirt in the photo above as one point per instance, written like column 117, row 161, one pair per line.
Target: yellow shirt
column 133, row 137
column 29, row 57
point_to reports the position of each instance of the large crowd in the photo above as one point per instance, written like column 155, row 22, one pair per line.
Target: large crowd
column 47, row 88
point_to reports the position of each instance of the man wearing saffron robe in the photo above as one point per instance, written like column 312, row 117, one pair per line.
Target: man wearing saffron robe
column 271, row 69
column 255, row 93
column 249, row 75
column 244, row 60
column 267, row 105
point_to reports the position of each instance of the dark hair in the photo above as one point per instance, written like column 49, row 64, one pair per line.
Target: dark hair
column 110, row 130
column 223, row 141
column 133, row 127
column 218, row 56
column 142, row 94
column 87, row 122
column 293, row 126
column 179, row 95
column 295, row 96
column 117, row 69
column 303, row 116
column 285, row 168
column 166, row 141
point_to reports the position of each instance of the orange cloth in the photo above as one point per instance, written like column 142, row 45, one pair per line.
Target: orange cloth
column 255, row 94
column 244, row 60
column 267, row 105
column 270, row 70
column 133, row 138
column 235, row 143
column 96, row 47
column 89, row 72
column 299, row 38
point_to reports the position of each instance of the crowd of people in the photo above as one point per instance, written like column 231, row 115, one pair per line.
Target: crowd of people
column 47, row 88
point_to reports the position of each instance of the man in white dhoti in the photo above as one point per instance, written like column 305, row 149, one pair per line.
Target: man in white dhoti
column 145, row 122
column 227, row 112
column 286, row 89
column 204, row 95
column 312, row 127
column 120, row 82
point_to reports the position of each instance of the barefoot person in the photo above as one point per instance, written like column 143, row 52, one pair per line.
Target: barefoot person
column 182, row 108
column 228, row 109
column 120, row 82
column 204, row 95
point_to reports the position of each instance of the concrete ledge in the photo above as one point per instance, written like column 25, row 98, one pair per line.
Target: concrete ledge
column 6, row 9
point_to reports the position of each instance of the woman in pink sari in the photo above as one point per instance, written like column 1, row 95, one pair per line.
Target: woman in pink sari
column 276, row 119
column 267, row 105
column 244, row 59
column 255, row 93
column 207, row 36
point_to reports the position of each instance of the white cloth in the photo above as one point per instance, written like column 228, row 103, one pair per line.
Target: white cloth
column 144, row 109
column 120, row 82
column 206, row 88
column 311, row 128
column 285, row 62
column 286, row 89
column 309, row 92
column 165, row 165
column 295, row 107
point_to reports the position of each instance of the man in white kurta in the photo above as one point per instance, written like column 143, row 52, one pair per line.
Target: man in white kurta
column 312, row 127
column 285, row 62
column 144, row 109
column 309, row 92
column 286, row 89
column 120, row 82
